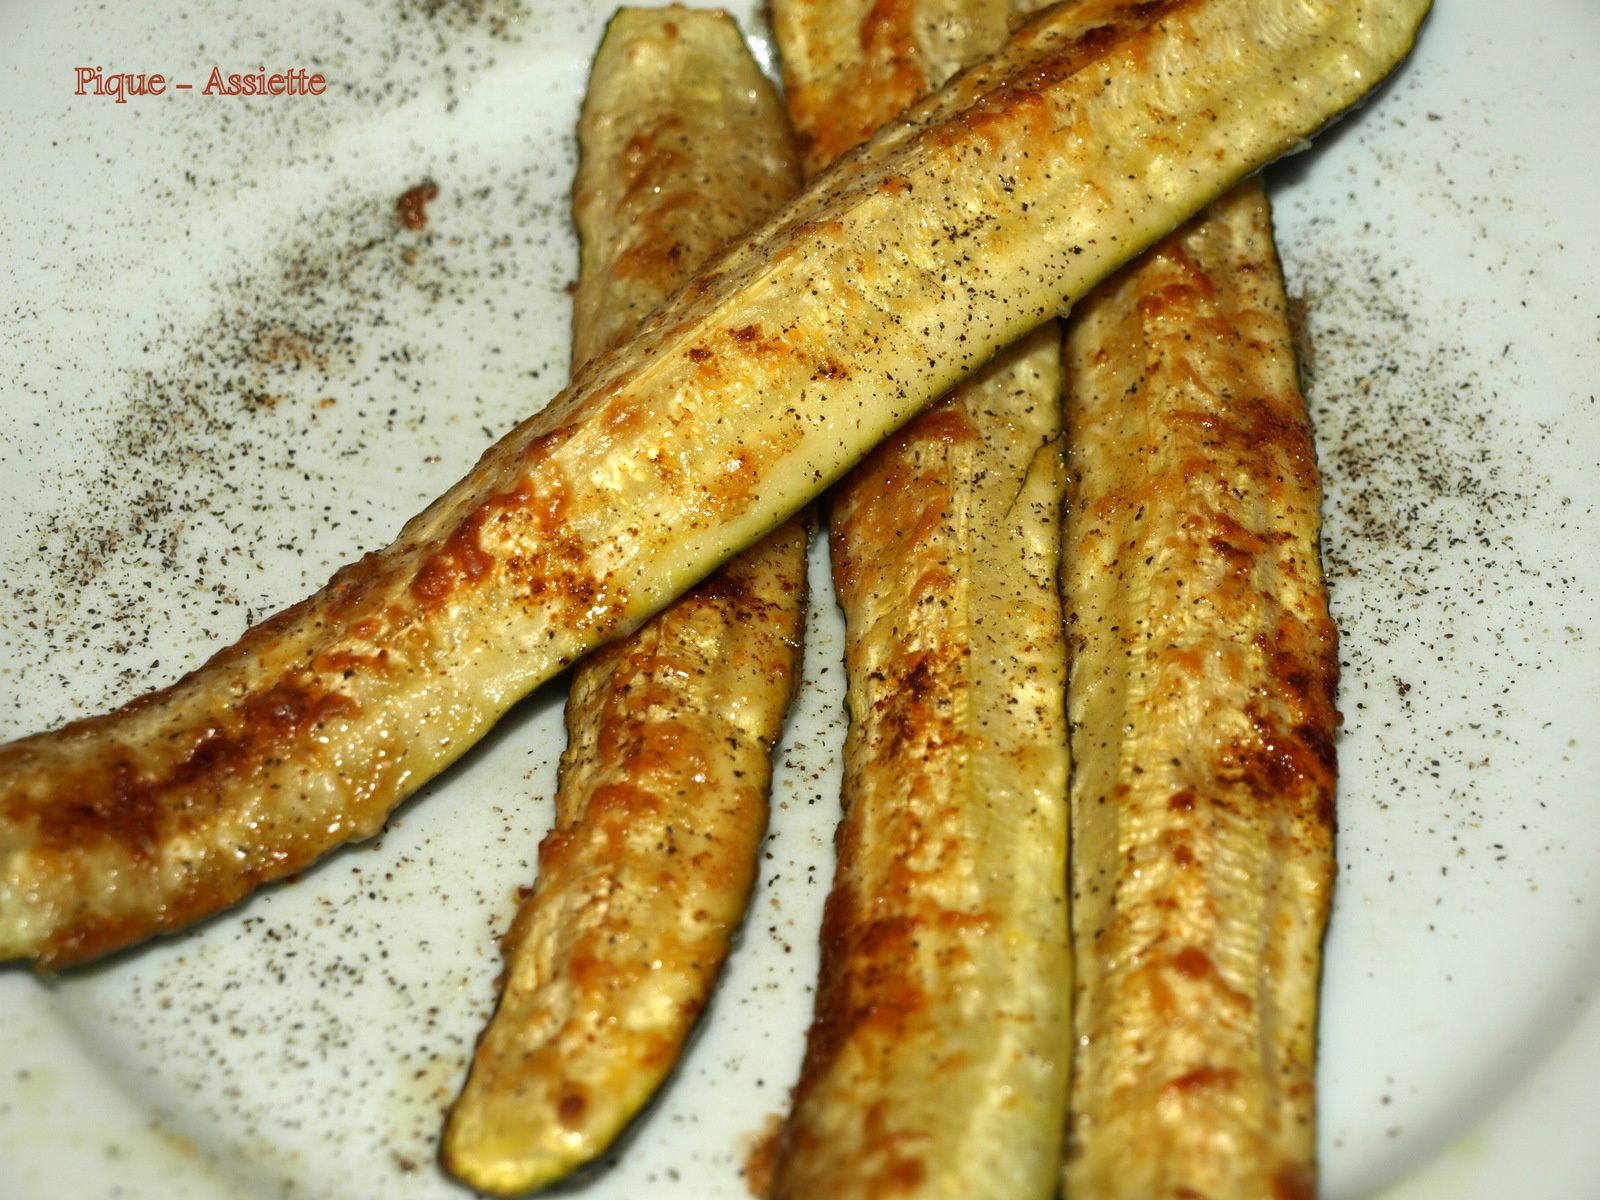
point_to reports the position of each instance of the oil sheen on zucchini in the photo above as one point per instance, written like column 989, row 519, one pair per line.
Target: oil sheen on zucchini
column 662, row 800
column 976, row 217
column 937, row 1062
column 1202, row 708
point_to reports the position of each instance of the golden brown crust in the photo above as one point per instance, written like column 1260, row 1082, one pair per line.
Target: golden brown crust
column 590, row 516
column 852, row 65
column 662, row 801
column 1202, row 703
column 838, row 93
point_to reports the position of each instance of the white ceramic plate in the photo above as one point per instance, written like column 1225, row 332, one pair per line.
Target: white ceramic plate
column 224, row 370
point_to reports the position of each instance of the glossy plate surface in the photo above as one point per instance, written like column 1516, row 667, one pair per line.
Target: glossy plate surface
column 226, row 367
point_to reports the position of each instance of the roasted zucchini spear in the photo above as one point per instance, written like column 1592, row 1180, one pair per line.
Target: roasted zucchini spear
column 1202, row 708
column 662, row 801
column 978, row 216
column 937, row 1062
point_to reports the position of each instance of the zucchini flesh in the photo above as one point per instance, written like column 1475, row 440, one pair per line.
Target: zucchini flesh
column 937, row 1061
column 976, row 217
column 1202, row 707
column 849, row 66
column 662, row 800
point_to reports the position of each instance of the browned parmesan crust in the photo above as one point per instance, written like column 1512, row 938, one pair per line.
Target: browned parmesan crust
column 1202, row 707
column 662, row 801
column 982, row 213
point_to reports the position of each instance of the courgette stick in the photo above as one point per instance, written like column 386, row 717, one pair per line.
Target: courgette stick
column 976, row 217
column 1202, row 706
column 937, row 1064
column 661, row 803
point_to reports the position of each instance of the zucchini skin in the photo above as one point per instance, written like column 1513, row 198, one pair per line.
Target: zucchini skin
column 1202, row 706
column 978, row 216
column 662, row 801
column 937, row 1062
